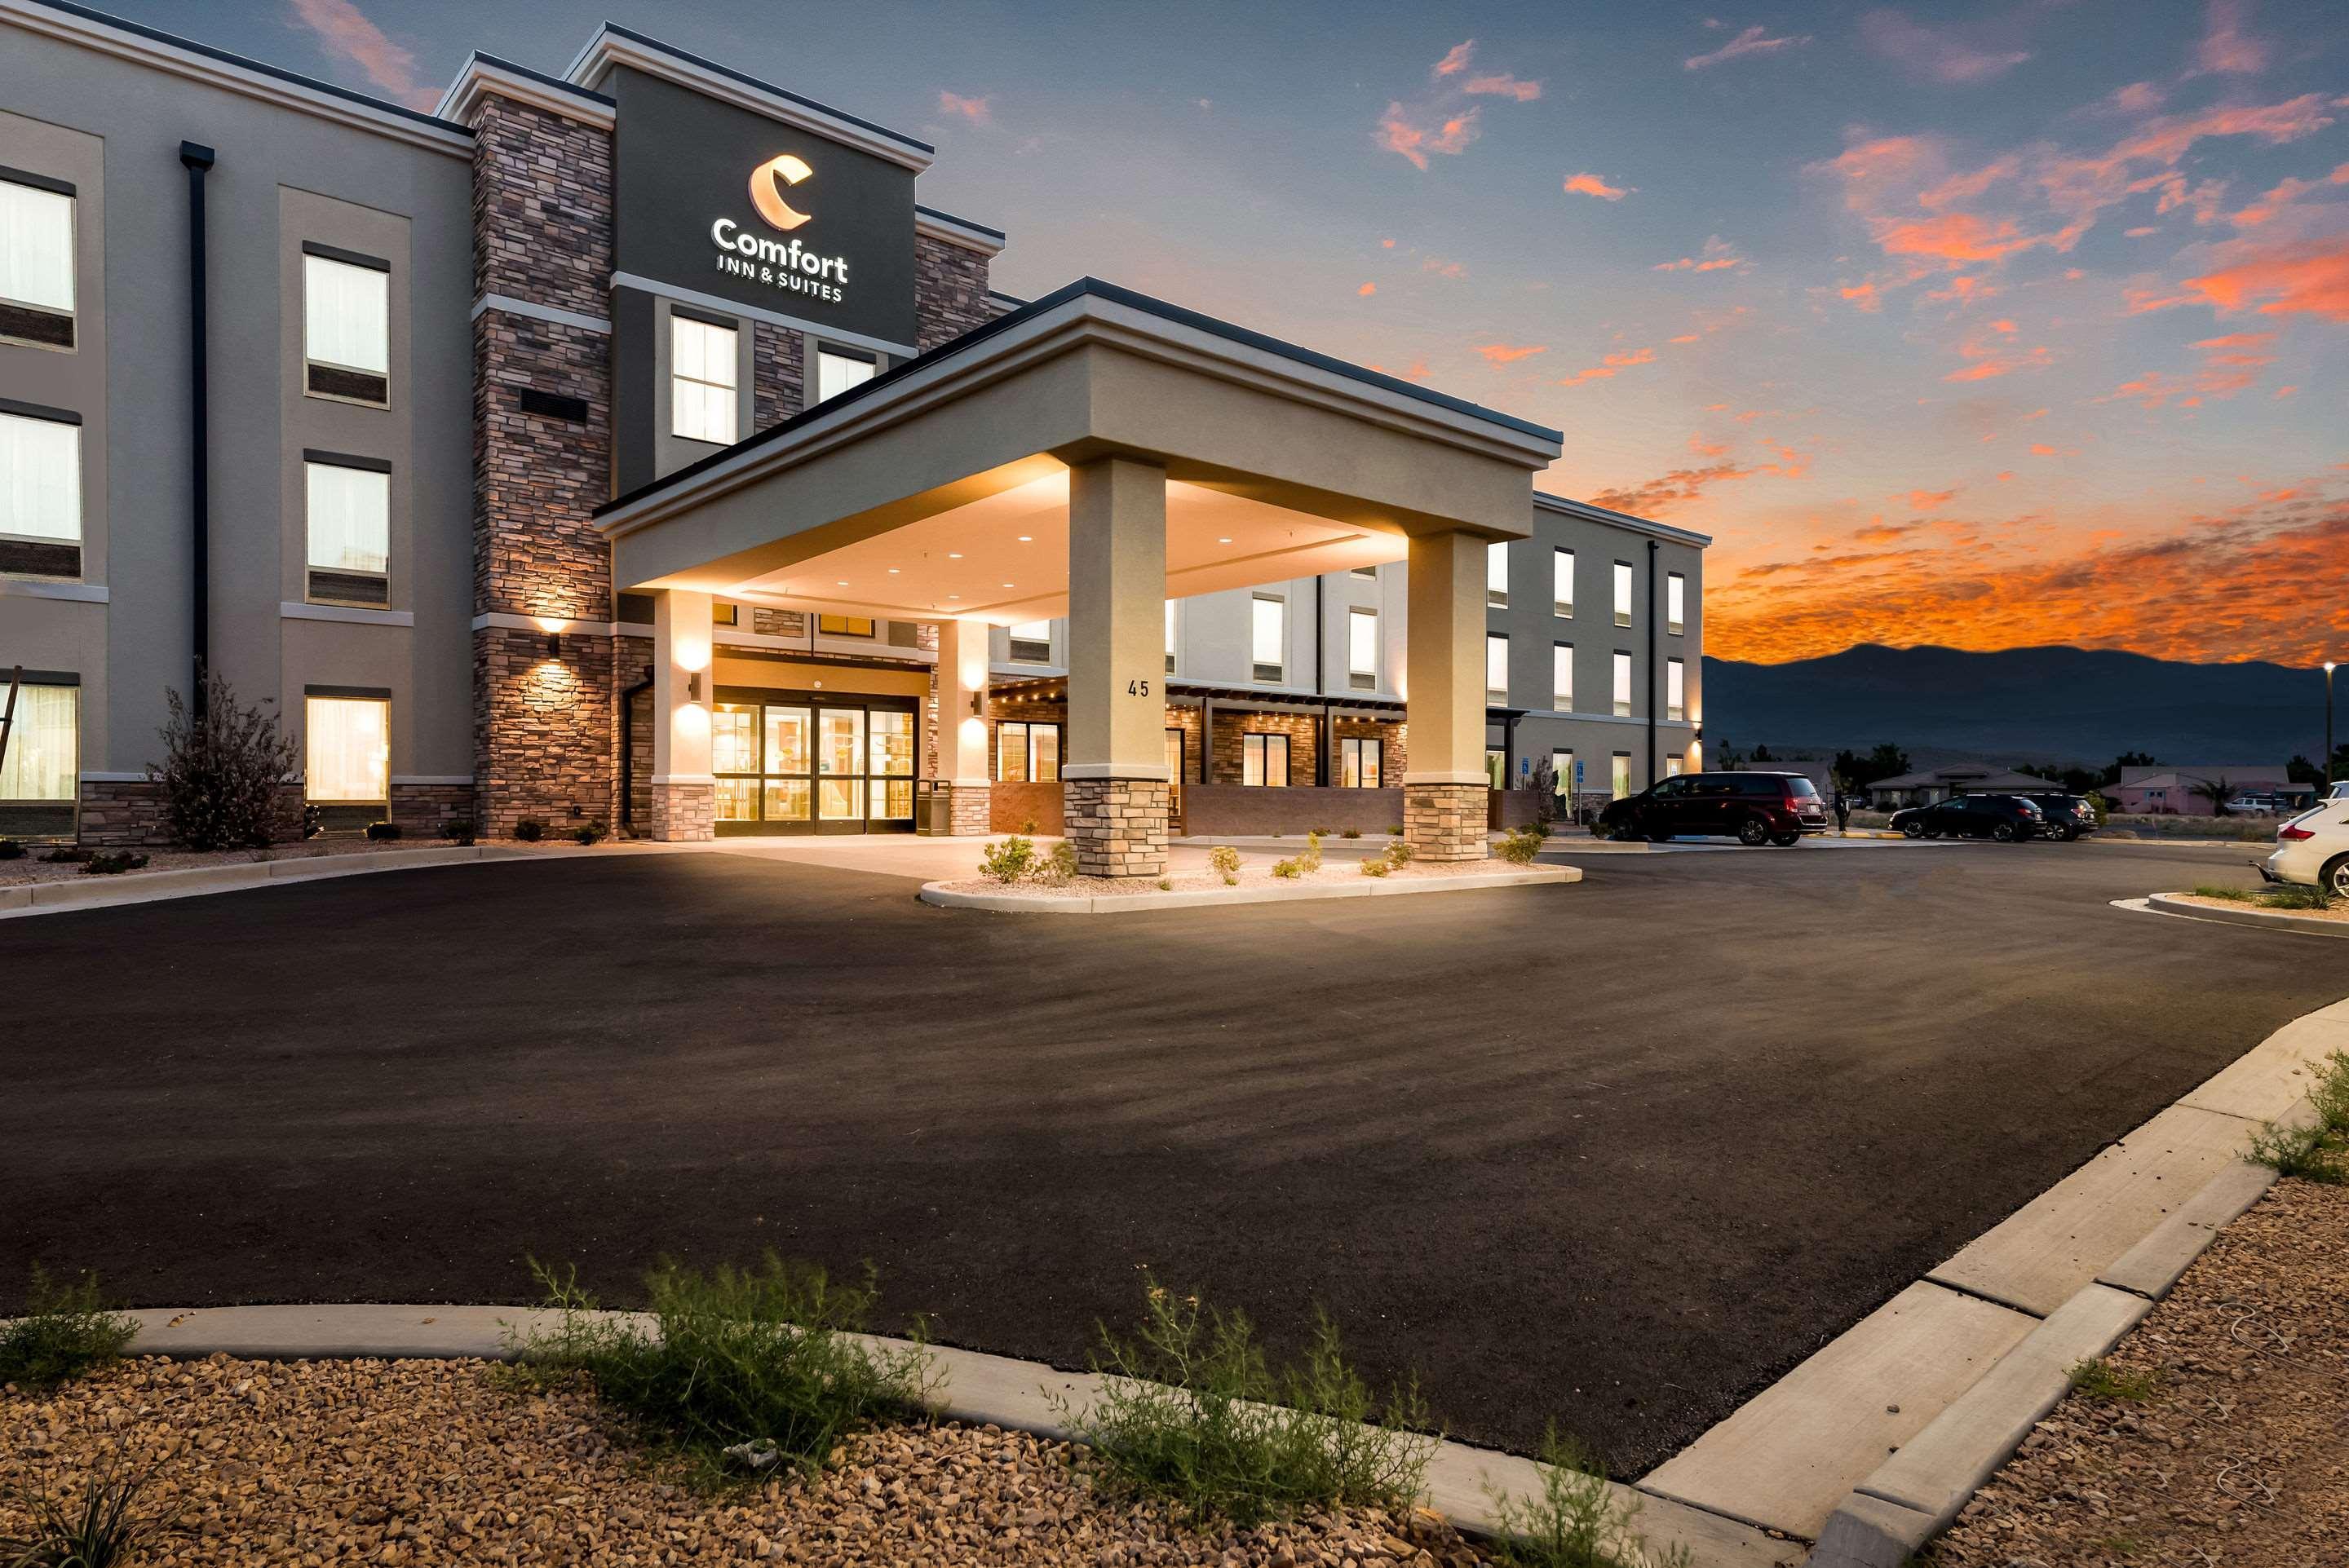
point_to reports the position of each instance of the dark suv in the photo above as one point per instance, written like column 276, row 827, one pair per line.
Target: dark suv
column 2067, row 816
column 1752, row 807
column 2009, row 819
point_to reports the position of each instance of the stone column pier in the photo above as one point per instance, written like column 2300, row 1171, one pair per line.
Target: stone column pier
column 684, row 795
column 962, row 724
column 1445, row 786
column 1115, row 786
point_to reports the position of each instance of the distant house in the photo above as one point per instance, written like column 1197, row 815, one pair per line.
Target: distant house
column 2165, row 789
column 1960, row 778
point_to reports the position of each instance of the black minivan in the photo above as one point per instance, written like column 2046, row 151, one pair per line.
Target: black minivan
column 1752, row 807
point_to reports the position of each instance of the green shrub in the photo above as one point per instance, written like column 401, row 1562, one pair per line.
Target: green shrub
column 530, row 829
column 111, row 862
column 1576, row 1520
column 1059, row 866
column 2297, row 895
column 2319, row 1150
column 65, row 855
column 2100, row 1380
column 1165, row 884
column 63, row 1333
column 740, row 1370
column 2231, row 894
column 1351, row 833
column 1319, row 833
column 1012, row 861
column 590, row 832
column 1226, row 862
column 99, row 1530
column 1192, row 1410
column 1028, row 826
column 220, row 772
column 1394, row 831
column 1289, row 871
column 1399, row 854
column 1520, row 845
column 10, row 850
column 382, row 832
column 1310, row 860
column 459, row 828
column 1376, row 866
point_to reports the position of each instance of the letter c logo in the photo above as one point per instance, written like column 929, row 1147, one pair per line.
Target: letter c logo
column 767, row 195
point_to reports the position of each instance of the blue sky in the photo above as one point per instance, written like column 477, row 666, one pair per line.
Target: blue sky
column 1999, row 323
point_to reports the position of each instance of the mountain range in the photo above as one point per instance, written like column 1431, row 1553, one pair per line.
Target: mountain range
column 2050, row 704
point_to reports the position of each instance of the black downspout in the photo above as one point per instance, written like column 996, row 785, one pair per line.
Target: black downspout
column 1655, row 662
column 1206, row 734
column 628, row 750
column 1320, row 683
column 199, row 158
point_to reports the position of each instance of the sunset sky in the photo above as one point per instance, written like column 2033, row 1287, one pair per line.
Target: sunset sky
column 1980, row 324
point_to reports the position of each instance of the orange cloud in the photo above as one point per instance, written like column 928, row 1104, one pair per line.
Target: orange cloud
column 1637, row 357
column 1593, row 185
column 1595, row 373
column 1956, row 237
column 1400, row 132
column 1927, row 501
column 976, row 110
column 1443, row 268
column 1755, row 40
column 1455, row 59
column 2226, row 47
column 1503, row 354
column 1683, row 338
column 1504, row 86
column 1864, row 296
column 344, row 31
column 1367, row 290
column 2305, row 278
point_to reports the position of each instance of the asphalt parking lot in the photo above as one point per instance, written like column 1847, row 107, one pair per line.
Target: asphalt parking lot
column 1618, row 1153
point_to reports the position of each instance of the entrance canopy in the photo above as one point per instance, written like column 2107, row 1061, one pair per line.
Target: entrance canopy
column 940, row 490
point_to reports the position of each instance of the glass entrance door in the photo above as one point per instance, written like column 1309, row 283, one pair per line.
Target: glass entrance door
column 795, row 762
column 790, row 792
column 840, row 770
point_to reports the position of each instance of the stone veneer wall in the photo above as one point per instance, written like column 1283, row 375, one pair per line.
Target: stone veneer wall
column 421, row 809
column 1446, row 821
column 682, row 812
column 1119, row 826
column 120, row 812
column 775, row 375
column 544, row 732
column 949, row 291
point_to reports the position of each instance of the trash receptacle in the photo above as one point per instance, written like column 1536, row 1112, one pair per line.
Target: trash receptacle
column 932, row 810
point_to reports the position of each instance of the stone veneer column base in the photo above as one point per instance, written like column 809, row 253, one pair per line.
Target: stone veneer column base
column 684, row 812
column 122, row 813
column 422, row 810
column 970, row 806
column 1444, row 822
column 1118, row 825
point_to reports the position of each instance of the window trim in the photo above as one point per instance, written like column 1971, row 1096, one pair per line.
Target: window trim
column 708, row 321
column 1496, row 696
column 1676, row 672
column 1627, row 589
column 313, row 456
column 71, row 314
column 42, row 413
column 1497, row 551
column 1623, row 693
column 1562, row 609
column 812, row 388
column 1555, row 693
column 1675, row 625
column 1360, row 747
column 365, row 262
column 378, row 695
column 53, row 680
column 1257, row 666
column 1262, row 740
column 1357, row 677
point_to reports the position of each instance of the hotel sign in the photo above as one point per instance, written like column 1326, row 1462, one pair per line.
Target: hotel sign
column 726, row 201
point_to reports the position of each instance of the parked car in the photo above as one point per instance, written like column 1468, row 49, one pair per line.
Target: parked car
column 2009, row 819
column 2067, row 816
column 2313, row 849
column 2251, row 806
column 1752, row 807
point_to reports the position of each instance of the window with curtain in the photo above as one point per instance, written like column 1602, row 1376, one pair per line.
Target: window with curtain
column 348, row 750
column 36, row 263
column 1362, row 649
column 1268, row 637
column 40, row 484
column 1675, row 605
column 1027, row 753
column 1264, row 760
column 1496, row 667
column 44, row 744
column 1618, row 776
column 1622, row 593
column 836, row 372
column 702, row 384
column 350, row 533
column 1561, row 676
column 1562, row 770
column 1496, row 576
column 1031, row 643
column 1622, row 686
column 1561, row 583
column 1675, row 689
column 1360, row 761
column 346, row 329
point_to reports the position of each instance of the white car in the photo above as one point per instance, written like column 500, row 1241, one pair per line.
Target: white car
column 2313, row 849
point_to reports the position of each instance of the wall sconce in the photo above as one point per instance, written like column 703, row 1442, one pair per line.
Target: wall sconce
column 1699, row 729
column 976, row 704
column 693, row 686
column 554, row 646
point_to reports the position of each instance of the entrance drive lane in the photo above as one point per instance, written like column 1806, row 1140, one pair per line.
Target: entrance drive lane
column 1619, row 1153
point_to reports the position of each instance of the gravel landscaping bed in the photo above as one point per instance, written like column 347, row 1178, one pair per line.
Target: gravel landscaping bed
column 2235, row 1452
column 33, row 868
column 2340, row 910
column 311, row 1464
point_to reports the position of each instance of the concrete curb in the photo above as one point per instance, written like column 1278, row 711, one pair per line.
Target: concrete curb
column 2274, row 920
column 977, row 1388
column 1920, row 1490
column 150, row 887
column 1304, row 891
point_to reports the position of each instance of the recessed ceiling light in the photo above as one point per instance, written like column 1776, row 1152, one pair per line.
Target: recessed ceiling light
column 892, row 571
column 954, row 555
column 1027, row 539
column 1011, row 584
column 953, row 596
column 843, row 582
column 1223, row 541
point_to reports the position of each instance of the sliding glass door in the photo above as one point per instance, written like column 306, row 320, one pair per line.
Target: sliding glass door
column 794, row 763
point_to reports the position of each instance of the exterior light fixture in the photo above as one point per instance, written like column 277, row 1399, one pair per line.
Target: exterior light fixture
column 974, row 707
column 554, row 646
column 693, row 686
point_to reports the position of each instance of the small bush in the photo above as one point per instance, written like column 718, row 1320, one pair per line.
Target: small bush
column 65, row 855
column 382, row 832
column 530, row 829
column 2099, row 1379
column 1520, row 845
column 590, row 832
column 1193, row 1410
column 1319, row 833
column 2296, row 895
column 112, row 862
column 2319, row 1150
column 220, row 772
column 10, row 850
column 1576, row 1520
column 313, row 822
column 1351, row 833
column 1028, row 826
column 1399, row 854
column 1394, row 831
column 99, row 1531
column 2232, row 894
column 1013, row 859
column 1376, row 866
column 1165, row 884
column 459, row 828
column 1059, row 867
column 1225, row 861
column 767, row 1362
column 1310, row 860
column 63, row 1334
column 1289, row 871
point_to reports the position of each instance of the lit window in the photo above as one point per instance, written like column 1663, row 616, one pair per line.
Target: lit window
column 1496, row 576
column 1561, row 676
column 36, row 262
column 350, row 533
column 1673, row 766
column 1561, row 583
column 836, row 372
column 42, row 761
column 1622, row 685
column 1027, row 753
column 346, row 327
column 1675, row 605
column 701, row 380
column 1031, row 643
column 725, row 615
column 41, row 496
column 1369, row 571
column 1361, row 761
column 348, row 750
column 1619, row 777
column 1269, row 641
column 1675, row 689
column 1561, row 774
column 1264, row 760
column 1170, row 641
column 1622, row 593
column 1496, row 667
column 1497, row 769
column 1362, row 650
column 844, row 625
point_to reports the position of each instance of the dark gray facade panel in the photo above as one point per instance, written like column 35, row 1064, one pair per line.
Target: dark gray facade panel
column 636, row 396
